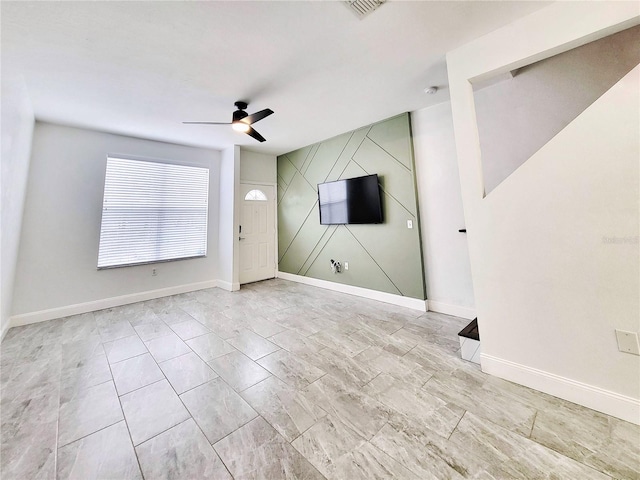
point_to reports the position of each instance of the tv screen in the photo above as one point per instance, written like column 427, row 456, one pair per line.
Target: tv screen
column 354, row 200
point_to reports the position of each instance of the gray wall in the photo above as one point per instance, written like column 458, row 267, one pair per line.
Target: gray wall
column 518, row 116
column 385, row 257
column 63, row 211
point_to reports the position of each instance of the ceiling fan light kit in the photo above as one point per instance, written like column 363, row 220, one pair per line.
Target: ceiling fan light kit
column 241, row 121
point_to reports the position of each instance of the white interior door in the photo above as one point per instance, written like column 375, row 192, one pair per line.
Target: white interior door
column 257, row 233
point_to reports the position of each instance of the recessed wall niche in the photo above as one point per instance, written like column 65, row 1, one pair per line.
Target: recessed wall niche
column 519, row 112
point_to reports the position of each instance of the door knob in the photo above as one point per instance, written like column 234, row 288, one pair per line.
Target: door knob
column 241, row 238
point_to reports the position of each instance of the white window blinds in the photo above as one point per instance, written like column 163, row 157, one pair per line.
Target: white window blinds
column 152, row 212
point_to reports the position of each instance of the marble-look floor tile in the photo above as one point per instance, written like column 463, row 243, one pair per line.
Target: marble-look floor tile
column 33, row 411
column 30, row 452
column 465, row 390
column 78, row 327
column 238, row 370
column 151, row 410
column 88, row 411
column 180, row 452
column 351, row 406
column 383, row 361
column 324, row 444
column 189, row 329
column 340, row 342
column 414, row 405
column 286, row 409
column 173, row 314
column 296, row 343
column 124, row 348
column 435, row 358
column 291, row 369
column 512, row 452
column 108, row 453
column 608, row 444
column 367, row 462
column 252, row 344
column 257, row 451
column 114, row 331
column 75, row 353
column 144, row 316
column 210, row 346
column 31, row 380
column 89, row 372
column 37, row 351
column 186, row 372
column 343, row 367
column 217, row 409
column 167, row 347
column 429, row 456
column 405, row 405
column 263, row 327
column 149, row 331
column 134, row 373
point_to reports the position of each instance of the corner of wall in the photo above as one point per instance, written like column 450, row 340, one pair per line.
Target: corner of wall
column 17, row 136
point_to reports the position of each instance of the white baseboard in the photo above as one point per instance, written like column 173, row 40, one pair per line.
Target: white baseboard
column 455, row 310
column 79, row 308
column 230, row 287
column 5, row 329
column 413, row 303
column 599, row 399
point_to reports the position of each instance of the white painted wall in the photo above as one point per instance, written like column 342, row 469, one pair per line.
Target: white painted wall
column 518, row 116
column 257, row 167
column 446, row 254
column 228, row 251
column 549, row 289
column 17, row 132
column 61, row 226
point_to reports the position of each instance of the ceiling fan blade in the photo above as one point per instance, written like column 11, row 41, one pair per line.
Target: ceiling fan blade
column 207, row 123
column 252, row 133
column 257, row 116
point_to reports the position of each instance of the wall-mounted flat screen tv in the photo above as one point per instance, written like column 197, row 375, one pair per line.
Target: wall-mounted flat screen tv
column 349, row 201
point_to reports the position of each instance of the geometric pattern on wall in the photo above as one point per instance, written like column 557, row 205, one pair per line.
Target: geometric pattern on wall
column 386, row 257
column 519, row 116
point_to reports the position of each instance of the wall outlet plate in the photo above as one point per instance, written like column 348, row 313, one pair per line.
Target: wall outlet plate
column 628, row 342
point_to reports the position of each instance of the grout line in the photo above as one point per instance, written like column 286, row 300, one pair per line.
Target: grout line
column 456, row 427
column 535, row 417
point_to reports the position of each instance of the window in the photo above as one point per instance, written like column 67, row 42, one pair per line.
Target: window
column 257, row 195
column 152, row 212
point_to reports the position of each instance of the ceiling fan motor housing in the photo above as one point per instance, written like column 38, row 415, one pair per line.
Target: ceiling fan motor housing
column 239, row 115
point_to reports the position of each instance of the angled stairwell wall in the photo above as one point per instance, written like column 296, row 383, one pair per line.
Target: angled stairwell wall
column 384, row 257
column 554, row 248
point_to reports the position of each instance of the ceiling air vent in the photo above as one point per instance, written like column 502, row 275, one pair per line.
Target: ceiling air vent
column 363, row 8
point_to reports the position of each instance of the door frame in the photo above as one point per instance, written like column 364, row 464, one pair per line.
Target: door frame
column 275, row 218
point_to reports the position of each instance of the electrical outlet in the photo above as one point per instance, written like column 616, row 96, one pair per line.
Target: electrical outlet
column 153, row 272
column 346, row 265
column 409, row 223
column 628, row 342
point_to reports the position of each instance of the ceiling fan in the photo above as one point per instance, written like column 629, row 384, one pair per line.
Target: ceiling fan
column 241, row 121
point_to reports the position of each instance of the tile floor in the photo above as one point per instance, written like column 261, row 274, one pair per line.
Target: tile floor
column 281, row 380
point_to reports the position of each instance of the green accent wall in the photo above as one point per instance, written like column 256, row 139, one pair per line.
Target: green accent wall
column 386, row 257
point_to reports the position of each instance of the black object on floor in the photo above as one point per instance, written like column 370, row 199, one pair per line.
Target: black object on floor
column 471, row 330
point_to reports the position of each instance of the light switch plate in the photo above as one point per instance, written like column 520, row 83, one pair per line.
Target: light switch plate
column 346, row 265
column 628, row 342
column 409, row 223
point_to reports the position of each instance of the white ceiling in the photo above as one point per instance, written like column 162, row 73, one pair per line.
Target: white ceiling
column 140, row 68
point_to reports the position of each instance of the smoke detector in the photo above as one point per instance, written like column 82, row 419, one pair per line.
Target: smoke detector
column 431, row 90
column 363, row 8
